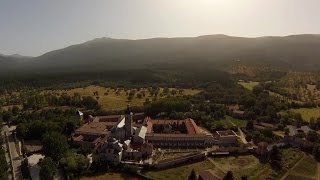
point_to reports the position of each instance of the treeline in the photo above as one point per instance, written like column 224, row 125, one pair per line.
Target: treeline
column 181, row 76
column 76, row 100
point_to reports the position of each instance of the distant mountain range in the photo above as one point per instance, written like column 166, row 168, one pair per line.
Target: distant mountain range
column 301, row 52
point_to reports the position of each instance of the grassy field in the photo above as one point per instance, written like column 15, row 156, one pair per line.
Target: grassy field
column 182, row 172
column 296, row 177
column 164, row 154
column 306, row 169
column 118, row 176
column 237, row 122
column 241, row 166
column 110, row 100
column 306, row 113
column 230, row 122
column 248, row 85
column 289, row 158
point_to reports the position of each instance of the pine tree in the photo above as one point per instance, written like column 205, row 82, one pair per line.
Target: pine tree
column 192, row 175
column 228, row 176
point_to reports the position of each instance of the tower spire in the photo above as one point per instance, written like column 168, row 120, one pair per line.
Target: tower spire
column 128, row 122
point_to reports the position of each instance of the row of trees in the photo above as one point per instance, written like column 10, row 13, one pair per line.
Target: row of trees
column 38, row 101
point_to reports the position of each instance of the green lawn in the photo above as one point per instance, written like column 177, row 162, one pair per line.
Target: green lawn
column 306, row 113
column 182, row 172
column 248, row 85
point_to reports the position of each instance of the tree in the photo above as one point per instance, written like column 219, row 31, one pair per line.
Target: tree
column 250, row 125
column 192, row 175
column 312, row 136
column 286, row 131
column 275, row 158
column 167, row 105
column 21, row 131
column 74, row 163
column 173, row 92
column 147, row 101
column 15, row 110
column 312, row 123
column 48, row 168
column 3, row 164
column 228, row 176
column 166, row 90
column 130, row 98
column 7, row 117
column 54, row 145
column 244, row 178
column 139, row 95
column 24, row 168
column 257, row 89
column 90, row 102
column 316, row 152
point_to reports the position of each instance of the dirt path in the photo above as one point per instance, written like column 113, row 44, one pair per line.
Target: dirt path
column 289, row 171
column 242, row 136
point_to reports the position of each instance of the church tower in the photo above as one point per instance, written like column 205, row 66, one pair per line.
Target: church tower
column 128, row 122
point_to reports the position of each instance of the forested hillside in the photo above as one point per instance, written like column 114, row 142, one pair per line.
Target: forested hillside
column 169, row 60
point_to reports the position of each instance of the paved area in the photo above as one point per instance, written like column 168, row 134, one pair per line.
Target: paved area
column 16, row 159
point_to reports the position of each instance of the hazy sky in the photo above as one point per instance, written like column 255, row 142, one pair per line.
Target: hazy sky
column 33, row 27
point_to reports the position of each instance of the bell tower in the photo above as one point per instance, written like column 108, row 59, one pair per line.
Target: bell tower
column 128, row 122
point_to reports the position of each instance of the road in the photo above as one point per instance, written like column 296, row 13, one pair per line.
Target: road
column 7, row 153
column 16, row 159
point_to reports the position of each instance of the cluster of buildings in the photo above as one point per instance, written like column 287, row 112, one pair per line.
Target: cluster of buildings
column 131, row 136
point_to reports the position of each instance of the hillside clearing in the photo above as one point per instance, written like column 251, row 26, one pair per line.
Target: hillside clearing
column 248, row 85
column 307, row 167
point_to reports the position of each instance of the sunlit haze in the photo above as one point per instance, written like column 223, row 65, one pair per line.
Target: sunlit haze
column 36, row 26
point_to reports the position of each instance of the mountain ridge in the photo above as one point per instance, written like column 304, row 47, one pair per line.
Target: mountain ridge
column 292, row 51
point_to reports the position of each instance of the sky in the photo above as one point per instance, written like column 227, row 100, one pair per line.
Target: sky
column 34, row 27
